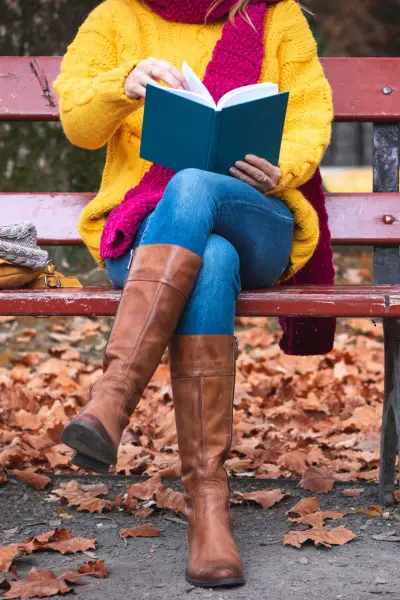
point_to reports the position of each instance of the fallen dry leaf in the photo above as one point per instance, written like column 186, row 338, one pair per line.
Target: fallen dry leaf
column 372, row 512
column 41, row 584
column 94, row 568
column 140, row 531
column 318, row 518
column 266, row 498
column 60, row 540
column 7, row 555
column 295, row 461
column 146, row 490
column 35, row 480
column 166, row 498
column 84, row 497
column 320, row 536
column 58, row 456
column 353, row 492
column 317, row 480
column 305, row 507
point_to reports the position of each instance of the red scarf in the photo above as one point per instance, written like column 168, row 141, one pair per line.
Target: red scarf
column 237, row 60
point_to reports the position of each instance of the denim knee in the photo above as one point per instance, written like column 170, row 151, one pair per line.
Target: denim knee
column 221, row 265
column 211, row 307
column 186, row 188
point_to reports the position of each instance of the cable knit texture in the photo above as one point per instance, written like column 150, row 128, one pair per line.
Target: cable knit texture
column 117, row 35
column 18, row 245
column 237, row 60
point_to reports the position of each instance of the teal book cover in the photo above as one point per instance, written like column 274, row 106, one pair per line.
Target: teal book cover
column 186, row 129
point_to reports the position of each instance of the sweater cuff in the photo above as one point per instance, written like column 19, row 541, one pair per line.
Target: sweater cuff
column 111, row 84
column 286, row 180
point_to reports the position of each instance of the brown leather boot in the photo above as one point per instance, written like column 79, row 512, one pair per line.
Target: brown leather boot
column 158, row 285
column 203, row 381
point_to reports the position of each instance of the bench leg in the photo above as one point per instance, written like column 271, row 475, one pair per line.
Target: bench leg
column 391, row 413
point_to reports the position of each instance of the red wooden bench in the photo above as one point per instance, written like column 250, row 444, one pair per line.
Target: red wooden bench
column 364, row 90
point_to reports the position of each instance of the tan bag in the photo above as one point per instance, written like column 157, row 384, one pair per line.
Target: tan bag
column 14, row 277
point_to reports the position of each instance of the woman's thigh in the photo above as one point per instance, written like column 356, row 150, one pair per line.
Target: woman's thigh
column 198, row 203
column 261, row 230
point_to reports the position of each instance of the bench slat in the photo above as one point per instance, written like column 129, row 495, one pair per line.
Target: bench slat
column 353, row 218
column 26, row 93
column 320, row 301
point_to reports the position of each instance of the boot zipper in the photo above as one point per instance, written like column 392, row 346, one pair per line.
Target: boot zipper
column 127, row 269
column 131, row 259
column 236, row 354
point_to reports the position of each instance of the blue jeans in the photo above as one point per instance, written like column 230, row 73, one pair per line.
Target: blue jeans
column 243, row 237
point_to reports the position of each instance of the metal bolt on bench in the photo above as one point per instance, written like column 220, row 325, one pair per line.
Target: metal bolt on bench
column 364, row 90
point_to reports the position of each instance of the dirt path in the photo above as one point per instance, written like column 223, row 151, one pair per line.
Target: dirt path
column 152, row 569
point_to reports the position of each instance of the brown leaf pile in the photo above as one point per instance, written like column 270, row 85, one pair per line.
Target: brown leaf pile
column 317, row 417
column 312, row 528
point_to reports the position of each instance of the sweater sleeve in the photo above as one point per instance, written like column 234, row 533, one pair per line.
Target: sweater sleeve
column 90, row 86
column 310, row 112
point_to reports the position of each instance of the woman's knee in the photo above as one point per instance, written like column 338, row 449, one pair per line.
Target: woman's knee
column 188, row 191
column 221, row 265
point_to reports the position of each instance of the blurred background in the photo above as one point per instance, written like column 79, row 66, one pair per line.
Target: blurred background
column 37, row 156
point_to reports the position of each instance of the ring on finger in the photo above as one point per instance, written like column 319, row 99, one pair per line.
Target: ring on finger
column 264, row 179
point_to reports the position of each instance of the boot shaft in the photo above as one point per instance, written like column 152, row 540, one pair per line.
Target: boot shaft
column 203, row 380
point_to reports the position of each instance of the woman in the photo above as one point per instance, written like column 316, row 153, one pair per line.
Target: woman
column 181, row 245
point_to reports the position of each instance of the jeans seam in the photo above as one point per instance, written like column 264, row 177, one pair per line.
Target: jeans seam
column 146, row 229
column 259, row 209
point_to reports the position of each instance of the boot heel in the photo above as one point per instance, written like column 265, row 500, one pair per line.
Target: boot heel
column 94, row 448
column 89, row 464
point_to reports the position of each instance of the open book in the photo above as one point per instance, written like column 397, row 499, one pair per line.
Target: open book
column 187, row 129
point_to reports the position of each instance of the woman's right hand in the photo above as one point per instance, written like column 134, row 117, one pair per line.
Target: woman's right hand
column 153, row 69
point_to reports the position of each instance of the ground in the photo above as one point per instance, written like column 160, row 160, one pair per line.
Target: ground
column 300, row 423
column 153, row 568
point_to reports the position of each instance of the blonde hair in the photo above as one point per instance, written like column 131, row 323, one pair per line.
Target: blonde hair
column 240, row 8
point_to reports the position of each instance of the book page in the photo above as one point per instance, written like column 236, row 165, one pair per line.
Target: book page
column 248, row 93
column 196, row 85
column 195, row 97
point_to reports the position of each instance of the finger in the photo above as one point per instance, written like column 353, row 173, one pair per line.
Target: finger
column 260, row 163
column 163, row 75
column 140, row 91
column 143, row 79
column 175, row 72
column 243, row 177
column 253, row 172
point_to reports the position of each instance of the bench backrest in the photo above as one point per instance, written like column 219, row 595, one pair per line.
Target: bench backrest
column 364, row 89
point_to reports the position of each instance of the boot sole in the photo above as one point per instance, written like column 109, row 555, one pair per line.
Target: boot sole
column 89, row 464
column 216, row 584
column 92, row 451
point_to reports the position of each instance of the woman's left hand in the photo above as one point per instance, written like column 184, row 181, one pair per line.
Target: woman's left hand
column 257, row 172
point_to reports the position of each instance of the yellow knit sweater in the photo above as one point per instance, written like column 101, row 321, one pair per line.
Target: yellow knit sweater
column 95, row 111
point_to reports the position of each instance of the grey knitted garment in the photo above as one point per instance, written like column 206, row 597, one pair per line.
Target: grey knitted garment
column 18, row 245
